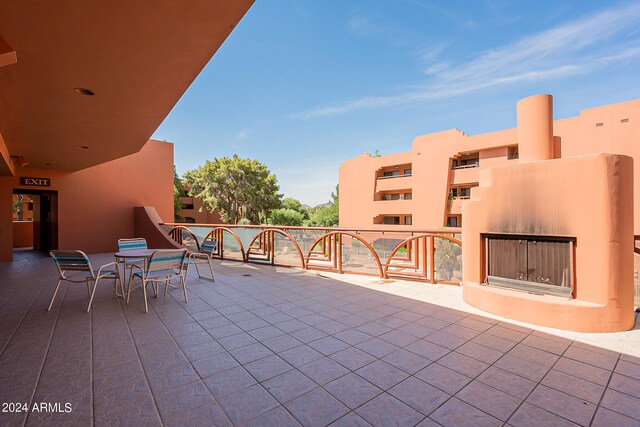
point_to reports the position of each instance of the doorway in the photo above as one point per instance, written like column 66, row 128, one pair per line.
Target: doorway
column 35, row 219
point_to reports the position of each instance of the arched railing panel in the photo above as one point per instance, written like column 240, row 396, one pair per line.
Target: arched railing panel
column 422, row 257
column 264, row 248
column 184, row 236
column 329, row 252
column 219, row 234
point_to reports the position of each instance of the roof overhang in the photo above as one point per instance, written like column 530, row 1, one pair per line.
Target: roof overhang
column 138, row 57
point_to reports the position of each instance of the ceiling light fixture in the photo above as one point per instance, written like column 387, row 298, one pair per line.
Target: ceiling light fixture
column 84, row 91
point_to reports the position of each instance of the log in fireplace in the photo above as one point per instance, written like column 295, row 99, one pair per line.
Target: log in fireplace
column 534, row 264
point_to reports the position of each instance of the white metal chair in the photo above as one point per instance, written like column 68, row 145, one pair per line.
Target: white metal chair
column 204, row 256
column 76, row 263
column 130, row 245
column 163, row 266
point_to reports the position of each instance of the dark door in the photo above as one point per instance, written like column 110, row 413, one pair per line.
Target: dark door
column 45, row 219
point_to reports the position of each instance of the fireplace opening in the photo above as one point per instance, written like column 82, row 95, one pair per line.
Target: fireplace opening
column 534, row 264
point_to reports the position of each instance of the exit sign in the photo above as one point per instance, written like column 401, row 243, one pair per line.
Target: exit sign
column 35, row 182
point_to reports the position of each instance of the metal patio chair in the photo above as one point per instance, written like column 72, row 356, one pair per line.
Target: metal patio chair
column 203, row 256
column 163, row 266
column 130, row 245
column 73, row 262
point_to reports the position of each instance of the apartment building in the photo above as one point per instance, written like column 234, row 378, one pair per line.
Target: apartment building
column 426, row 187
column 192, row 211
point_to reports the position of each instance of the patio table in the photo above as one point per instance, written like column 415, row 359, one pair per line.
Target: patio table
column 132, row 254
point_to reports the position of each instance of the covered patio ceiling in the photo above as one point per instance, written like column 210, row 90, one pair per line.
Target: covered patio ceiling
column 99, row 74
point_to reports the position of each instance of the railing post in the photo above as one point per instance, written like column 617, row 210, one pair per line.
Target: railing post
column 339, row 252
column 432, row 266
column 272, row 244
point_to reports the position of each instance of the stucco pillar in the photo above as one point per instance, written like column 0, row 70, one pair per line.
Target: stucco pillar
column 535, row 128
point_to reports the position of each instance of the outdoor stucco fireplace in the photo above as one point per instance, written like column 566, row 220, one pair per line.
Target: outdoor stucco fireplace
column 548, row 240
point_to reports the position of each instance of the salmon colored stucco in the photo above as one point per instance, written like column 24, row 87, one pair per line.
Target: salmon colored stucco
column 194, row 212
column 22, row 234
column 608, row 129
column 544, row 179
column 96, row 205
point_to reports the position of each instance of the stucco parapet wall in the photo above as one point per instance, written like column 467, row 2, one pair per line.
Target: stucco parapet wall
column 546, row 310
column 588, row 198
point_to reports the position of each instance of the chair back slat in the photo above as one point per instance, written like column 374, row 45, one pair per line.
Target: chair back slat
column 71, row 260
column 132, row 244
column 166, row 260
column 208, row 246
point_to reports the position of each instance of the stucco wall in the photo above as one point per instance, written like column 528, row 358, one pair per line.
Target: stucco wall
column 96, row 205
column 430, row 157
column 22, row 234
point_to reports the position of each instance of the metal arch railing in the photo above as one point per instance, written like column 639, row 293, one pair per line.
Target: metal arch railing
column 265, row 251
column 331, row 255
column 369, row 251
column 419, row 257
column 176, row 234
column 218, row 234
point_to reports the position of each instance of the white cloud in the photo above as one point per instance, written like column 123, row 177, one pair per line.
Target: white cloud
column 574, row 48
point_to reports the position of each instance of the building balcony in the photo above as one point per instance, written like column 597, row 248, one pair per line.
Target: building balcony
column 465, row 175
column 455, row 205
column 391, row 183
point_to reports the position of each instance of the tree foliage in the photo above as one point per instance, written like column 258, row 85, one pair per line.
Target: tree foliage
column 17, row 207
column 293, row 204
column 178, row 191
column 326, row 216
column 236, row 187
column 288, row 217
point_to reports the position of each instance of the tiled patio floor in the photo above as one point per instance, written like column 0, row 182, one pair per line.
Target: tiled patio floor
column 264, row 346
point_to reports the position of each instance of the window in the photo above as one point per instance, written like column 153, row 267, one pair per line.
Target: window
column 187, row 206
column 408, row 196
column 391, row 173
column 392, row 220
column 408, row 220
column 407, row 171
column 471, row 160
column 512, row 153
column 394, row 196
column 464, row 193
column 190, row 220
column 452, row 221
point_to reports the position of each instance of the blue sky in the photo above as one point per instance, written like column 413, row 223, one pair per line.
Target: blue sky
column 303, row 85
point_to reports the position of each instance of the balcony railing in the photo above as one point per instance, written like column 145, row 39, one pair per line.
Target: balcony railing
column 394, row 176
column 473, row 165
column 434, row 256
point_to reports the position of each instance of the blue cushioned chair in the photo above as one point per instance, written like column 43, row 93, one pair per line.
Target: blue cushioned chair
column 163, row 266
column 207, row 249
column 75, row 267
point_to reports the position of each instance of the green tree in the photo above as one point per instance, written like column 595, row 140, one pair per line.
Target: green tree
column 293, row 204
column 178, row 191
column 286, row 217
column 446, row 258
column 236, row 187
column 17, row 207
column 326, row 216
